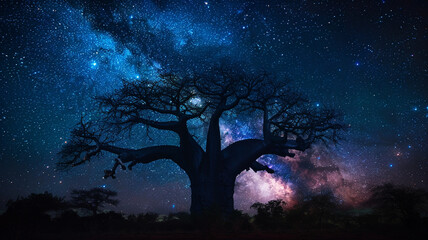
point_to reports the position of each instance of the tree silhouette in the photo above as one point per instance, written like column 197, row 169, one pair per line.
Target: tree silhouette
column 271, row 214
column 93, row 199
column 34, row 206
column 319, row 210
column 25, row 217
column 289, row 122
column 398, row 205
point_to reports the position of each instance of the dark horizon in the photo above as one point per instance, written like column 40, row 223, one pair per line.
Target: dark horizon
column 391, row 213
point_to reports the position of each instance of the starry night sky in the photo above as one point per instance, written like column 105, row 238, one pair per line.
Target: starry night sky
column 366, row 58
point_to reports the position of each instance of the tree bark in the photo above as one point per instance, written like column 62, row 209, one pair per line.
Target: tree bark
column 210, row 196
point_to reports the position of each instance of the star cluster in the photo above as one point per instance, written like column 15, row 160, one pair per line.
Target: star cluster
column 365, row 58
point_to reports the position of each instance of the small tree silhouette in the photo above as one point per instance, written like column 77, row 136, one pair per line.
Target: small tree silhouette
column 399, row 205
column 34, row 206
column 28, row 216
column 320, row 210
column 93, row 199
column 271, row 214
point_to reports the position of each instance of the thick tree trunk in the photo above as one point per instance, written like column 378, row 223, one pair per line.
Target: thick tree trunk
column 213, row 196
column 225, row 190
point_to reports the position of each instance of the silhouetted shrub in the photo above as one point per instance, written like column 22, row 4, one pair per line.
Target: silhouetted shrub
column 93, row 199
column 317, row 211
column 28, row 215
column 270, row 215
column 149, row 217
column 395, row 205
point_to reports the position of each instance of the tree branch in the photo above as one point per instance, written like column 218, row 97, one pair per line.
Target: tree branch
column 256, row 166
column 146, row 155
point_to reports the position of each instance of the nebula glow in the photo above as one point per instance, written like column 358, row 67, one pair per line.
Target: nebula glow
column 261, row 187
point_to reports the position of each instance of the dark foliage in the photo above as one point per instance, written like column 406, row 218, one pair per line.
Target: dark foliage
column 93, row 199
column 318, row 211
column 270, row 215
column 316, row 217
column 34, row 205
column 26, row 215
column 395, row 205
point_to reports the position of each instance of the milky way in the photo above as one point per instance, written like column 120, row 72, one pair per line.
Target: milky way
column 365, row 58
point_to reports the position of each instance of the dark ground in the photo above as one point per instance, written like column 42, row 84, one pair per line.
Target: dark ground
column 292, row 235
column 391, row 213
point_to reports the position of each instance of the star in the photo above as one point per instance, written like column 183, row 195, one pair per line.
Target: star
column 94, row 64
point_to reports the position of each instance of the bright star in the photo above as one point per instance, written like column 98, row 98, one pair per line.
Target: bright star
column 196, row 101
column 94, row 64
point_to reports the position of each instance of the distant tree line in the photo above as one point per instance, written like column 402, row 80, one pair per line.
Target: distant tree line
column 389, row 209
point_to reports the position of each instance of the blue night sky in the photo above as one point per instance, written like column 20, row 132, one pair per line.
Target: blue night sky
column 366, row 58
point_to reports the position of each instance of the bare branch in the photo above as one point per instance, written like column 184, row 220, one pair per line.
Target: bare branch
column 86, row 140
column 288, row 116
column 164, row 104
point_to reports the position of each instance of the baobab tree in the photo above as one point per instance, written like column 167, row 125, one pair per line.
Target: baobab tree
column 170, row 103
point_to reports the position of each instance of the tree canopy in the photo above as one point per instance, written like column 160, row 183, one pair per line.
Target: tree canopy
column 93, row 199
